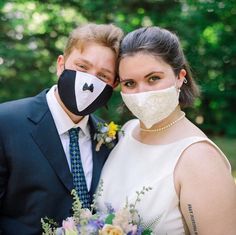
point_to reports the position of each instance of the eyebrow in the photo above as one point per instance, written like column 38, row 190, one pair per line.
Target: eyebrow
column 147, row 75
column 107, row 71
column 124, row 80
column 153, row 72
column 90, row 64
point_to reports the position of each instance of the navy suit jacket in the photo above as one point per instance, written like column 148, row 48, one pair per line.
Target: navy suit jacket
column 35, row 180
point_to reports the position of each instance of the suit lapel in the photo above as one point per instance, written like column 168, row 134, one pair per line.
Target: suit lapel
column 99, row 157
column 44, row 134
column 46, row 137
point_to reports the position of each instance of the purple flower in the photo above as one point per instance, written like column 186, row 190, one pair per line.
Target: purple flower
column 92, row 227
column 98, row 224
column 110, row 209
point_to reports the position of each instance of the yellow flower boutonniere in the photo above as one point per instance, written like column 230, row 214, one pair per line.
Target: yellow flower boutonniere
column 106, row 134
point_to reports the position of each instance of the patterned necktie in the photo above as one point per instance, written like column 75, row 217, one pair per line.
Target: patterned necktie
column 77, row 169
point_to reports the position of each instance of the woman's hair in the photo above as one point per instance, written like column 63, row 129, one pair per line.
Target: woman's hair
column 107, row 35
column 165, row 45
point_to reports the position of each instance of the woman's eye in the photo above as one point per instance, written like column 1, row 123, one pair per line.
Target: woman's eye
column 129, row 84
column 153, row 79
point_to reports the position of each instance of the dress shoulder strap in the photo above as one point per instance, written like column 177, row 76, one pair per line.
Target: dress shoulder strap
column 130, row 124
column 187, row 142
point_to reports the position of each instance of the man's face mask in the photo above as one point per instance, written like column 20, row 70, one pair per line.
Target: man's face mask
column 82, row 93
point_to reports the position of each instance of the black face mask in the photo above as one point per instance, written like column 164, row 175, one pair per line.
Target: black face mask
column 82, row 93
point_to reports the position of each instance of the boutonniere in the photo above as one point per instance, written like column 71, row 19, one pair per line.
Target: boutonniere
column 106, row 134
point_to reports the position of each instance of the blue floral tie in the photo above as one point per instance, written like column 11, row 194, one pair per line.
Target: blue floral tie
column 77, row 169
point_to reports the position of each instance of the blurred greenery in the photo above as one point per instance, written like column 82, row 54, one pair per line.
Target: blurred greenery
column 33, row 34
column 227, row 145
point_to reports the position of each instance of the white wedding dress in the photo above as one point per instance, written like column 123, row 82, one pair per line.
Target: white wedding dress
column 132, row 165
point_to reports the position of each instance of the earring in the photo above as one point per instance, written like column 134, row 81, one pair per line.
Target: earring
column 185, row 81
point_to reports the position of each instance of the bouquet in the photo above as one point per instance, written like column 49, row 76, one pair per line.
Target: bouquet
column 125, row 221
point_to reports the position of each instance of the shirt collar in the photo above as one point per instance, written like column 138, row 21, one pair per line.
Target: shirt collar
column 62, row 120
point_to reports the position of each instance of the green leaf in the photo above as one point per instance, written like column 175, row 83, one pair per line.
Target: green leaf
column 109, row 219
column 147, row 232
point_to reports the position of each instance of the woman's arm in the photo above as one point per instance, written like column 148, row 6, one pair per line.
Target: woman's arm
column 207, row 191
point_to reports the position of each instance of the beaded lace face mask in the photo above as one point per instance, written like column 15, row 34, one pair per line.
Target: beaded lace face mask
column 152, row 106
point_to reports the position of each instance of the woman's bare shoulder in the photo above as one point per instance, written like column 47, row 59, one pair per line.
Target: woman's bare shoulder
column 202, row 160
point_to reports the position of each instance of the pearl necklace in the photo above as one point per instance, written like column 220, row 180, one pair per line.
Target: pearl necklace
column 164, row 127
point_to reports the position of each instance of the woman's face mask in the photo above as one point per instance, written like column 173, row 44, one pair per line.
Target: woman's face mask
column 150, row 88
column 151, row 107
column 82, row 93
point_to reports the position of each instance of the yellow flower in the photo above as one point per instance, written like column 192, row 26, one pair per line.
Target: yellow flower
column 111, row 230
column 112, row 129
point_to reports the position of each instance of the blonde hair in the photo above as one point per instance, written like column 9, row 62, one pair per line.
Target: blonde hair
column 107, row 35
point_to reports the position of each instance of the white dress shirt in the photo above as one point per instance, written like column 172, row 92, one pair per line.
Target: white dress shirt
column 64, row 124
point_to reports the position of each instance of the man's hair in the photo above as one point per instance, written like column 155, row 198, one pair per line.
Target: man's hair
column 107, row 35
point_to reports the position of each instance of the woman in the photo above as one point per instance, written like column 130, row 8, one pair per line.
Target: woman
column 192, row 187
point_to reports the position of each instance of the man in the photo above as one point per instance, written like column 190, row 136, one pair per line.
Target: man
column 39, row 162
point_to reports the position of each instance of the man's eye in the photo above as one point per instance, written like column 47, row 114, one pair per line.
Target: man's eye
column 104, row 77
column 82, row 66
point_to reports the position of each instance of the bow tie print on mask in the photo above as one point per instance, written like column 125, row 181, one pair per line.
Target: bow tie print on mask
column 87, row 87
column 78, row 96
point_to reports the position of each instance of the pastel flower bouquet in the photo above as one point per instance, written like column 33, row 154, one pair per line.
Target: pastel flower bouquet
column 125, row 221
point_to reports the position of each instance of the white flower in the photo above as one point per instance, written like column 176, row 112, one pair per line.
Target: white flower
column 123, row 219
column 108, row 139
column 85, row 214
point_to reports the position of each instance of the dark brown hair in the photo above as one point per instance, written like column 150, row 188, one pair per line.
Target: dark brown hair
column 164, row 44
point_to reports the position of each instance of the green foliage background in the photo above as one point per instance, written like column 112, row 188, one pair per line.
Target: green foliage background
column 33, row 34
